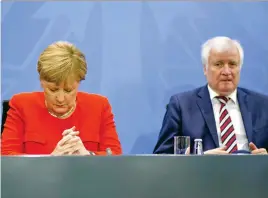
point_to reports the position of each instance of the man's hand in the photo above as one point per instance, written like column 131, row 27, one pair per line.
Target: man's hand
column 255, row 150
column 217, row 151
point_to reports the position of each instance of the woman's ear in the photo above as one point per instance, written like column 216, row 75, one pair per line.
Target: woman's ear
column 42, row 83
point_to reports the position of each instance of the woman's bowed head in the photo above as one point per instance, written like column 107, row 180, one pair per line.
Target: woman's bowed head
column 60, row 120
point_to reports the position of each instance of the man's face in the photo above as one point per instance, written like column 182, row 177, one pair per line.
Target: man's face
column 223, row 70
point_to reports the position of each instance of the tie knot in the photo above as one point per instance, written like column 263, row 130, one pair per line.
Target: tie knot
column 223, row 99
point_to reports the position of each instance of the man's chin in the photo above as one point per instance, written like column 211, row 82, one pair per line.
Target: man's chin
column 227, row 90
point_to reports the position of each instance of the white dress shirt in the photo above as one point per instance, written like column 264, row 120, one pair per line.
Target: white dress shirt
column 233, row 109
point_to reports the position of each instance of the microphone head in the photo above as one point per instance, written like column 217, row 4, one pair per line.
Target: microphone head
column 109, row 151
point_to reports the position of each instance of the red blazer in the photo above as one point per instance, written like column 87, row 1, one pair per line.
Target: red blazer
column 30, row 129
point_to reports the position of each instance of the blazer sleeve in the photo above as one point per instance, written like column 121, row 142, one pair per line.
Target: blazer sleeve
column 171, row 127
column 12, row 136
column 108, row 135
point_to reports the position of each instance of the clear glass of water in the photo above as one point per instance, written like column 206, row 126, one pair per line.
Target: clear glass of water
column 181, row 145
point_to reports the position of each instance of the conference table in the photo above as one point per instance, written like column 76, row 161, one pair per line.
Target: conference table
column 135, row 176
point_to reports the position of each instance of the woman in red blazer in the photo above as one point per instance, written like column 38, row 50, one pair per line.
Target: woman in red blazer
column 60, row 120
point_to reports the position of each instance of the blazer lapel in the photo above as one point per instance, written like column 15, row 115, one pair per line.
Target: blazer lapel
column 205, row 106
column 245, row 113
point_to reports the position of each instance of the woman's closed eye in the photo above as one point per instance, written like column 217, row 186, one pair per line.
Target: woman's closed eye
column 53, row 89
column 68, row 90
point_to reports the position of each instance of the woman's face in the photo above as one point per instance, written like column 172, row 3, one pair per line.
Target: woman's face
column 60, row 98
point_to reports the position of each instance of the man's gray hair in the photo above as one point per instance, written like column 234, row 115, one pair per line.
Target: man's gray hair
column 220, row 44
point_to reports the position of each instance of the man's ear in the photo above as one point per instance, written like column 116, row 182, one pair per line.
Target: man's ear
column 205, row 69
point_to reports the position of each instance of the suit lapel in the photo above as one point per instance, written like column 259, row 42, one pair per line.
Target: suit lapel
column 245, row 113
column 205, row 106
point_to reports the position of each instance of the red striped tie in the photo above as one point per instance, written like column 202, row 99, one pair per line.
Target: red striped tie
column 228, row 137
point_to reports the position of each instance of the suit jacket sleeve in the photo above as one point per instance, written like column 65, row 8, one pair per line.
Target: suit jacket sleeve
column 108, row 135
column 171, row 127
column 12, row 136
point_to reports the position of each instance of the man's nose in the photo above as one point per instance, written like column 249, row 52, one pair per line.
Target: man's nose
column 226, row 70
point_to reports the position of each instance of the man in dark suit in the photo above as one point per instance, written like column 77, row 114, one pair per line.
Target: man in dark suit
column 225, row 117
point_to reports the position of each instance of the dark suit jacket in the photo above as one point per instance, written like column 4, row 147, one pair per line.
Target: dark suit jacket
column 191, row 114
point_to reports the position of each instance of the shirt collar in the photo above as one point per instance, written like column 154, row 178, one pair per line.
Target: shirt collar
column 213, row 94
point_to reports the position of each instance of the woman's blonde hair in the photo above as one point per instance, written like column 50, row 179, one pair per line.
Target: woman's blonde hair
column 61, row 62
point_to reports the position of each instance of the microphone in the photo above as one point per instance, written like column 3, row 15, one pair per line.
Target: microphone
column 108, row 152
